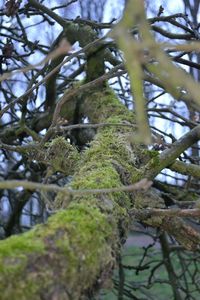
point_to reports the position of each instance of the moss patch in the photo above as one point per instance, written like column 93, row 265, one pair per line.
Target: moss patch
column 61, row 156
column 103, row 105
column 78, row 246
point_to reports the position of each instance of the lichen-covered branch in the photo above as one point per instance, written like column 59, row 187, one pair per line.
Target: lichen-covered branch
column 76, row 250
column 185, row 168
column 168, row 156
column 73, row 254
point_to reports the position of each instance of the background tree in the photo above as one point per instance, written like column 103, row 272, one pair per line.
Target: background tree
column 92, row 111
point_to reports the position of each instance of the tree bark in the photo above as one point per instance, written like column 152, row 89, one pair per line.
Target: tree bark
column 73, row 254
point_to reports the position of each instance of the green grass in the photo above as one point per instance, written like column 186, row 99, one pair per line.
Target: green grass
column 137, row 283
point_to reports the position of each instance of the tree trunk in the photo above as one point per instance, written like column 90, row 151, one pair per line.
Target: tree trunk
column 73, row 254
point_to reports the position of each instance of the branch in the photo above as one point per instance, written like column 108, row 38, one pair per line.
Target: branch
column 63, row 48
column 143, row 184
column 168, row 156
column 133, row 51
column 173, row 278
column 171, row 35
column 170, row 222
column 173, row 212
column 69, row 94
column 186, row 169
column 29, row 91
column 19, row 149
column 61, row 21
column 74, row 252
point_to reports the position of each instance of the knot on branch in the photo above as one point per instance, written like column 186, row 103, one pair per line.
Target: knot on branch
column 59, row 155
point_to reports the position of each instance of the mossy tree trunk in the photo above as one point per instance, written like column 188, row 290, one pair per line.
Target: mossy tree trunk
column 74, row 253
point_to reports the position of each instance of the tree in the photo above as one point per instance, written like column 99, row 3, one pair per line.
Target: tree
column 87, row 155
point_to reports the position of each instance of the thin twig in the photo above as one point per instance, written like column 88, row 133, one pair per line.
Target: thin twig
column 143, row 184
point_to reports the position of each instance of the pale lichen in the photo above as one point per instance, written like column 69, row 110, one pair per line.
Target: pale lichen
column 61, row 156
column 58, row 155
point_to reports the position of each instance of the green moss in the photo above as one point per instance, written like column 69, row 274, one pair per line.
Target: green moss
column 69, row 107
column 84, row 249
column 150, row 153
column 78, row 246
column 103, row 176
column 110, row 144
column 69, row 244
column 61, row 156
column 95, row 66
column 18, row 243
column 155, row 221
column 83, row 220
column 137, row 175
column 154, row 162
column 14, row 254
column 58, row 155
column 96, row 175
column 110, row 159
column 104, row 104
column 153, row 153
